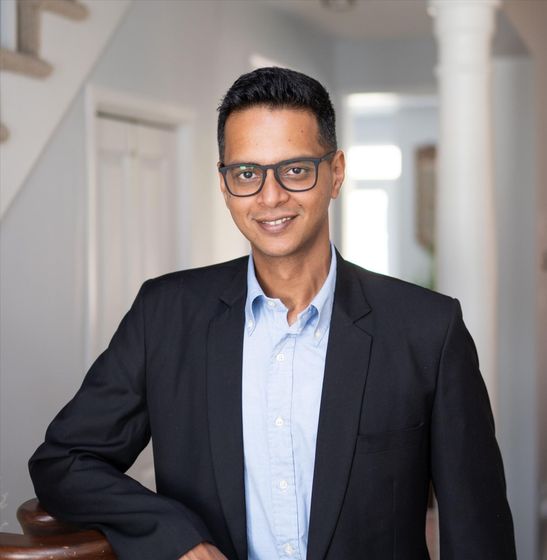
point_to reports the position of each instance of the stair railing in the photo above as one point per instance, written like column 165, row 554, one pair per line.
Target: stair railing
column 46, row 538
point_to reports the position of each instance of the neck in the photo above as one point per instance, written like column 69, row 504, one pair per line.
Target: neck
column 294, row 279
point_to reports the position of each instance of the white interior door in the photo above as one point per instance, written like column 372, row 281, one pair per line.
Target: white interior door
column 136, row 221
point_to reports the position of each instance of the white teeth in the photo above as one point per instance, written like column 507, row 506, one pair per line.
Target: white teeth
column 277, row 222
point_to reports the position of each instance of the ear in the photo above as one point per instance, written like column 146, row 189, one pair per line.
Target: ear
column 338, row 170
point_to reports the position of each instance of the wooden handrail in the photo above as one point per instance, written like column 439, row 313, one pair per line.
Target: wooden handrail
column 84, row 545
column 46, row 538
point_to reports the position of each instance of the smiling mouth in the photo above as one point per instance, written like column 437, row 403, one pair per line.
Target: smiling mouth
column 276, row 222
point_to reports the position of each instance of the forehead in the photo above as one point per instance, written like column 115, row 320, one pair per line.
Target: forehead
column 265, row 135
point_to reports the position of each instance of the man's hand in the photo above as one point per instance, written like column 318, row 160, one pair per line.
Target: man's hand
column 204, row 551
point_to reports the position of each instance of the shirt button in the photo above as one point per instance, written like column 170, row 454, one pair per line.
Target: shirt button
column 318, row 333
column 280, row 357
column 289, row 550
column 250, row 324
column 283, row 484
column 270, row 303
column 279, row 421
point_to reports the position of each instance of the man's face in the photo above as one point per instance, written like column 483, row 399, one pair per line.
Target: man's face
column 266, row 136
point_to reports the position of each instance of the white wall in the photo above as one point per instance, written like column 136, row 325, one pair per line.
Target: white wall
column 8, row 24
column 530, row 21
column 185, row 53
column 515, row 182
column 403, row 65
column 42, row 300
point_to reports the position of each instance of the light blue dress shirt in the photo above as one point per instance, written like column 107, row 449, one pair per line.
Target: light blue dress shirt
column 283, row 370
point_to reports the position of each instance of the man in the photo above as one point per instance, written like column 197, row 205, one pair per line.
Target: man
column 298, row 405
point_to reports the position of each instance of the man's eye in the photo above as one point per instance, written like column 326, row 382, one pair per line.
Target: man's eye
column 245, row 174
column 295, row 171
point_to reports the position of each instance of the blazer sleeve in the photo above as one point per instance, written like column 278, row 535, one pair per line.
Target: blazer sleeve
column 78, row 472
column 474, row 517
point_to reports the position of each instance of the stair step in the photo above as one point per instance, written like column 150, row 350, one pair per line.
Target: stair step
column 20, row 63
column 29, row 28
column 29, row 20
column 70, row 9
column 4, row 133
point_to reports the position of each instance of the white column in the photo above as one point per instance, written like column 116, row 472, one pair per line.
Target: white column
column 465, row 223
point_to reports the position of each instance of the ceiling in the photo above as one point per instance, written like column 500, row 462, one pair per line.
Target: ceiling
column 362, row 19
column 384, row 19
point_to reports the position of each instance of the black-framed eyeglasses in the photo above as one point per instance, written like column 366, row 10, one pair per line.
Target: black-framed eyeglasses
column 294, row 175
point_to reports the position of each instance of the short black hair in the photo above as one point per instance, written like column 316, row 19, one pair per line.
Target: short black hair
column 279, row 88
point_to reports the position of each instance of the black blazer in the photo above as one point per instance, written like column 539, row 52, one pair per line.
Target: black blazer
column 403, row 403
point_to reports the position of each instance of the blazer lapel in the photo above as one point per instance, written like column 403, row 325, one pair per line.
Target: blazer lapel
column 224, row 363
column 344, row 381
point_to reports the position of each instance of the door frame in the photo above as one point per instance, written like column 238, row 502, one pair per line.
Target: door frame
column 127, row 105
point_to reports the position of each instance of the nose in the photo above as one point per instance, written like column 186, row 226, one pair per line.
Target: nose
column 272, row 193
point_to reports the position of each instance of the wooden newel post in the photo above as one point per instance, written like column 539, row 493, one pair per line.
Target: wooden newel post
column 46, row 538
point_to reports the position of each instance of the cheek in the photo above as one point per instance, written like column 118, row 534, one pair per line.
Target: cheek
column 321, row 203
column 238, row 208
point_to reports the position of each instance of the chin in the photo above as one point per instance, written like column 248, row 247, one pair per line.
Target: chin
column 273, row 250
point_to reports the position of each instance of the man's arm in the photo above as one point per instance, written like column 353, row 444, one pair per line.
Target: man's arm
column 474, row 517
column 78, row 473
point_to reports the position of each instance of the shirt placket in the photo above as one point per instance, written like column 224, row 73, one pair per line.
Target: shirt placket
column 283, row 484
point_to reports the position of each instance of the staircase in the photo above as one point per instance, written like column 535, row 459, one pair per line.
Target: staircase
column 55, row 46
column 26, row 58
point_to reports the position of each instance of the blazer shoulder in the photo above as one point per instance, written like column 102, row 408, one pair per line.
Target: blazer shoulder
column 203, row 281
column 403, row 298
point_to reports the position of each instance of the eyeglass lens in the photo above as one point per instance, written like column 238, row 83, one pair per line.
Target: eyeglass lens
column 296, row 176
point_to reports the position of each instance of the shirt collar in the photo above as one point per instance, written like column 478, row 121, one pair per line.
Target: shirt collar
column 254, row 292
column 322, row 302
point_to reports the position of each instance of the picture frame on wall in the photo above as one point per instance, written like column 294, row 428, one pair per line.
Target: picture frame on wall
column 426, row 176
